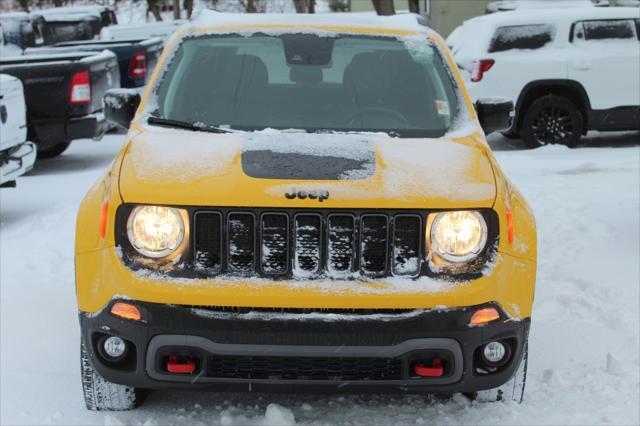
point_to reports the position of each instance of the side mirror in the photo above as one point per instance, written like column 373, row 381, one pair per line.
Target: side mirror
column 120, row 106
column 494, row 114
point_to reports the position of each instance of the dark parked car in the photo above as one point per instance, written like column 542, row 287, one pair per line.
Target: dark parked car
column 23, row 30
column 78, row 22
column 63, row 28
column 107, row 15
column 136, row 58
column 64, row 95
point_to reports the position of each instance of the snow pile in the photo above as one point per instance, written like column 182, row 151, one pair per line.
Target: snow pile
column 275, row 415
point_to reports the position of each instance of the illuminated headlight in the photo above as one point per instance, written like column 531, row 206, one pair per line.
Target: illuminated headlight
column 458, row 236
column 155, row 231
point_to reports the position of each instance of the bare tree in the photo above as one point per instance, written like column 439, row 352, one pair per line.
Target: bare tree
column 176, row 9
column 188, row 4
column 152, row 6
column 300, row 6
column 384, row 7
column 304, row 6
column 24, row 4
column 249, row 6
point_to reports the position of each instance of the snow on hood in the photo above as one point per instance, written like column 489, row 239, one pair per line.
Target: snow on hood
column 167, row 166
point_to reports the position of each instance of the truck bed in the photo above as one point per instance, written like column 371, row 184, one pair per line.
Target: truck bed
column 51, row 117
column 123, row 49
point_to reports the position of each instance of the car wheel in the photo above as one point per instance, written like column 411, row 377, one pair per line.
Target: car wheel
column 54, row 150
column 102, row 395
column 552, row 119
column 512, row 390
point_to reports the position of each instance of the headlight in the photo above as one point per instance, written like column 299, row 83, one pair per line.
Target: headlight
column 458, row 236
column 155, row 231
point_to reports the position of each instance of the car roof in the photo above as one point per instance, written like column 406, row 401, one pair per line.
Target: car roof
column 548, row 15
column 401, row 23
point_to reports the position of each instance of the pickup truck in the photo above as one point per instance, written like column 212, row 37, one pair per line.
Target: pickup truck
column 22, row 30
column 64, row 95
column 105, row 14
column 71, row 27
column 17, row 155
column 136, row 58
column 162, row 29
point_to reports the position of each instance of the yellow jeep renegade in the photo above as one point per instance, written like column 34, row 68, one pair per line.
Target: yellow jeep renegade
column 304, row 202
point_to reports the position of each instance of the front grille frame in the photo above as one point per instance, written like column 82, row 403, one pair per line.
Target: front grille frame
column 188, row 267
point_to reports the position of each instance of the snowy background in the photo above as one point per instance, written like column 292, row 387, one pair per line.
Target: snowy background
column 584, row 365
column 584, row 361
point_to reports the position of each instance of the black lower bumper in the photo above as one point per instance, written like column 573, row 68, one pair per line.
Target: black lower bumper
column 346, row 352
column 53, row 131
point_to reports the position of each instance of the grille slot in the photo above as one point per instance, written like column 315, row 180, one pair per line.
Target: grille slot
column 241, row 245
column 304, row 368
column 374, row 239
column 274, row 247
column 341, row 244
column 308, row 241
column 407, row 231
column 208, row 241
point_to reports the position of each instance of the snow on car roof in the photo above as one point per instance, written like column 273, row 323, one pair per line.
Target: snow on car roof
column 400, row 22
column 89, row 9
column 68, row 17
column 530, row 16
column 14, row 15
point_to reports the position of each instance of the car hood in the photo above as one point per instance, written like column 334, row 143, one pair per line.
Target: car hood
column 279, row 169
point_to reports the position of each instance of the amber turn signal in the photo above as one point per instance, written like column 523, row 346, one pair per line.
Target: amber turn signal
column 126, row 311
column 484, row 316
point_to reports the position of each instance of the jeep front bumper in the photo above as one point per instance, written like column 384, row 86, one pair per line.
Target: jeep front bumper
column 285, row 350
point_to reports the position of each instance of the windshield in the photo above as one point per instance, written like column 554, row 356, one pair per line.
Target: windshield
column 309, row 82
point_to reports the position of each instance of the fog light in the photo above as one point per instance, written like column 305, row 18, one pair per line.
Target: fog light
column 114, row 346
column 494, row 352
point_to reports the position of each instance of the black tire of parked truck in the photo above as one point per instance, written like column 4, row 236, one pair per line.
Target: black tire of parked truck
column 102, row 395
column 53, row 150
column 552, row 119
column 513, row 390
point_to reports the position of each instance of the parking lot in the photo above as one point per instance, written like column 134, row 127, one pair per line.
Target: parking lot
column 585, row 330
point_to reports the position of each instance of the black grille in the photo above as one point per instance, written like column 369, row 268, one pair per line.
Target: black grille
column 241, row 243
column 308, row 244
column 304, row 368
column 274, row 248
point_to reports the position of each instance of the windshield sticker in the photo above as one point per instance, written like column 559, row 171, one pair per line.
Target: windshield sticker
column 442, row 107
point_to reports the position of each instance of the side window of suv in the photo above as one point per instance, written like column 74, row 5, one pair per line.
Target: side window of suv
column 621, row 29
column 521, row 37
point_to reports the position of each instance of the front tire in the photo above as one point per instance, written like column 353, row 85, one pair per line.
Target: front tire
column 552, row 119
column 102, row 395
column 54, row 150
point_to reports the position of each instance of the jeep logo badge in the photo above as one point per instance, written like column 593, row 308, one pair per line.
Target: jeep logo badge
column 312, row 195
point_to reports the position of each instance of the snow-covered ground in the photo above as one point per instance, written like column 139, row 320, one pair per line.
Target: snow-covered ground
column 584, row 361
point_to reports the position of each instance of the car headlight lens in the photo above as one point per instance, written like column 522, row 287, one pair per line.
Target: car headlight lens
column 155, row 231
column 458, row 236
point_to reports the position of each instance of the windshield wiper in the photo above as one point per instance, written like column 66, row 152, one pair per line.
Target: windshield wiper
column 198, row 127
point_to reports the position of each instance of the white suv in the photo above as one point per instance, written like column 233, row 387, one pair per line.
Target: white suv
column 566, row 70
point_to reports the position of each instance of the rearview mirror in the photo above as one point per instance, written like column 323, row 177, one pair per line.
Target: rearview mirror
column 120, row 106
column 494, row 114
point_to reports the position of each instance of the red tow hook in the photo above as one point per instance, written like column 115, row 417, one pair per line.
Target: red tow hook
column 174, row 365
column 436, row 369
